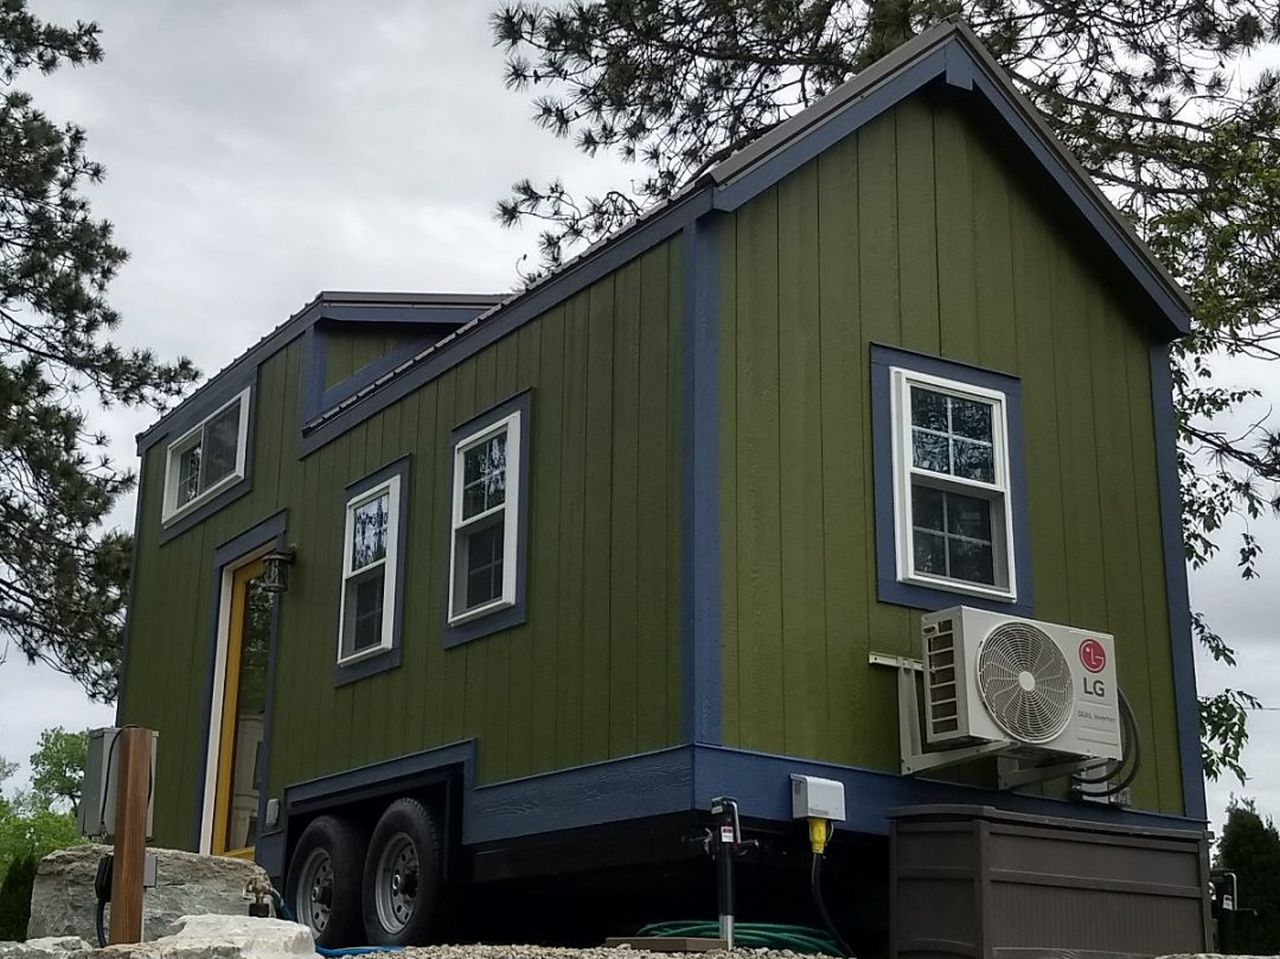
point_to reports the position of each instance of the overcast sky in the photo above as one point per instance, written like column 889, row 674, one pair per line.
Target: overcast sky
column 257, row 153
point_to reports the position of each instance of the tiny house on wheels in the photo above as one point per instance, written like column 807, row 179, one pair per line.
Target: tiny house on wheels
column 855, row 462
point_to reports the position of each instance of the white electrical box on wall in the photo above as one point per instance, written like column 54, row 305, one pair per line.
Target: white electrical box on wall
column 97, row 815
column 812, row 797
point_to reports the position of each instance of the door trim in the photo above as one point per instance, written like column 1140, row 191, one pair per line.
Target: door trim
column 225, row 740
column 227, row 558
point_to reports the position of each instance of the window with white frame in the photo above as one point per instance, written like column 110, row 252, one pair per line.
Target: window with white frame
column 207, row 458
column 486, row 505
column 953, row 518
column 369, row 557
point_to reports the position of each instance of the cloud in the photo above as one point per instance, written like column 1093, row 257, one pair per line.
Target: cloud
column 35, row 698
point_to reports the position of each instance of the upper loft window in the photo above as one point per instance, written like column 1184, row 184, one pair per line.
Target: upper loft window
column 486, row 502
column 370, row 555
column 951, row 483
column 207, row 458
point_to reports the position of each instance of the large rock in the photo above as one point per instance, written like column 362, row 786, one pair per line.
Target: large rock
column 222, row 937
column 63, row 901
column 53, row 947
column 194, row 937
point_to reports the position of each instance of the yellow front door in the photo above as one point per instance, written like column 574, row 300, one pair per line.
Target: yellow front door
column 244, row 699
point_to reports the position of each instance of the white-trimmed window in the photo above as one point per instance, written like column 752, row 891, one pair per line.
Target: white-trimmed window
column 207, row 458
column 486, row 506
column 952, row 512
column 370, row 547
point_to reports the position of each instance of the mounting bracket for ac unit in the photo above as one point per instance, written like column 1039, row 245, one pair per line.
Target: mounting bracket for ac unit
column 914, row 759
column 910, row 740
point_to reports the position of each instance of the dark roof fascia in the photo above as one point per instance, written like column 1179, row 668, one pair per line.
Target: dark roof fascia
column 337, row 305
column 593, row 264
column 952, row 52
column 860, row 86
column 991, row 81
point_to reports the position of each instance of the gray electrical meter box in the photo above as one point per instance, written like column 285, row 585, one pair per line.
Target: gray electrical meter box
column 817, row 798
column 97, row 816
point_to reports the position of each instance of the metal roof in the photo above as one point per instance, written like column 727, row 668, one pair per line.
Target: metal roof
column 299, row 320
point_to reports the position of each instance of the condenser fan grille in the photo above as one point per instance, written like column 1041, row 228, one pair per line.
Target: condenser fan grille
column 1025, row 682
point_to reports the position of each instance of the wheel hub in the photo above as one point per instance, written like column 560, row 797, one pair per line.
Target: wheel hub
column 316, row 886
column 396, row 883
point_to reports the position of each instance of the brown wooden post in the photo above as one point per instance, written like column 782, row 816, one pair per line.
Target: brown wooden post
column 132, row 797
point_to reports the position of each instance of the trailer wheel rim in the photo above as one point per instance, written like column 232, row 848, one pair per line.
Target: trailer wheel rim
column 396, row 883
column 315, row 891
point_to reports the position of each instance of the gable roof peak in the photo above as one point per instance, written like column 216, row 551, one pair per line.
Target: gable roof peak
column 949, row 52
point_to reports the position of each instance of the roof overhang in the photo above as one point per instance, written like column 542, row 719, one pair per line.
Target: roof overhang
column 328, row 306
column 949, row 53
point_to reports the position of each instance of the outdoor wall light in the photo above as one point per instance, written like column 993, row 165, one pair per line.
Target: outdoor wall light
column 275, row 570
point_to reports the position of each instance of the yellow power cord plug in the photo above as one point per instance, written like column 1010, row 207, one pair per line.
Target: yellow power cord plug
column 819, row 834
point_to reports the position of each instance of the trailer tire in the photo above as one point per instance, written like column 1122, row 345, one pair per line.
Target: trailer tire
column 323, row 884
column 403, row 883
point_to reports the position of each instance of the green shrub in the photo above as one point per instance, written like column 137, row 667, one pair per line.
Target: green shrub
column 15, row 898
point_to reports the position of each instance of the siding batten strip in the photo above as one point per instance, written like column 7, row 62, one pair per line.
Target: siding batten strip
column 1175, row 574
column 701, row 510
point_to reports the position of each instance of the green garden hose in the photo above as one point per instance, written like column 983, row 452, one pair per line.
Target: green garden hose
column 752, row 935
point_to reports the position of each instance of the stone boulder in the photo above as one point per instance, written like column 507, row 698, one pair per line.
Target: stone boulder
column 52, row 947
column 187, row 884
column 194, row 937
column 221, row 937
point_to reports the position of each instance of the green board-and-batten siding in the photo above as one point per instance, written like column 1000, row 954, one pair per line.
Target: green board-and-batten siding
column 594, row 672
column 917, row 232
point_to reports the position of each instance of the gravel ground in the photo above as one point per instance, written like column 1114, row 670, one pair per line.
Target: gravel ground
column 599, row 952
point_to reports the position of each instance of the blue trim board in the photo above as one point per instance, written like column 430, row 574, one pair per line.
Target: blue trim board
column 888, row 588
column 761, row 784
column 674, row 780
column 701, row 598
column 616, row 790
column 324, row 791
column 1182, row 645
column 270, row 529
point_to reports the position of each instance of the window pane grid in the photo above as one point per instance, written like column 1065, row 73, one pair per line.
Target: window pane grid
column 370, row 522
column 484, row 472
column 484, row 565
column 951, row 535
column 367, row 631
column 952, row 436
